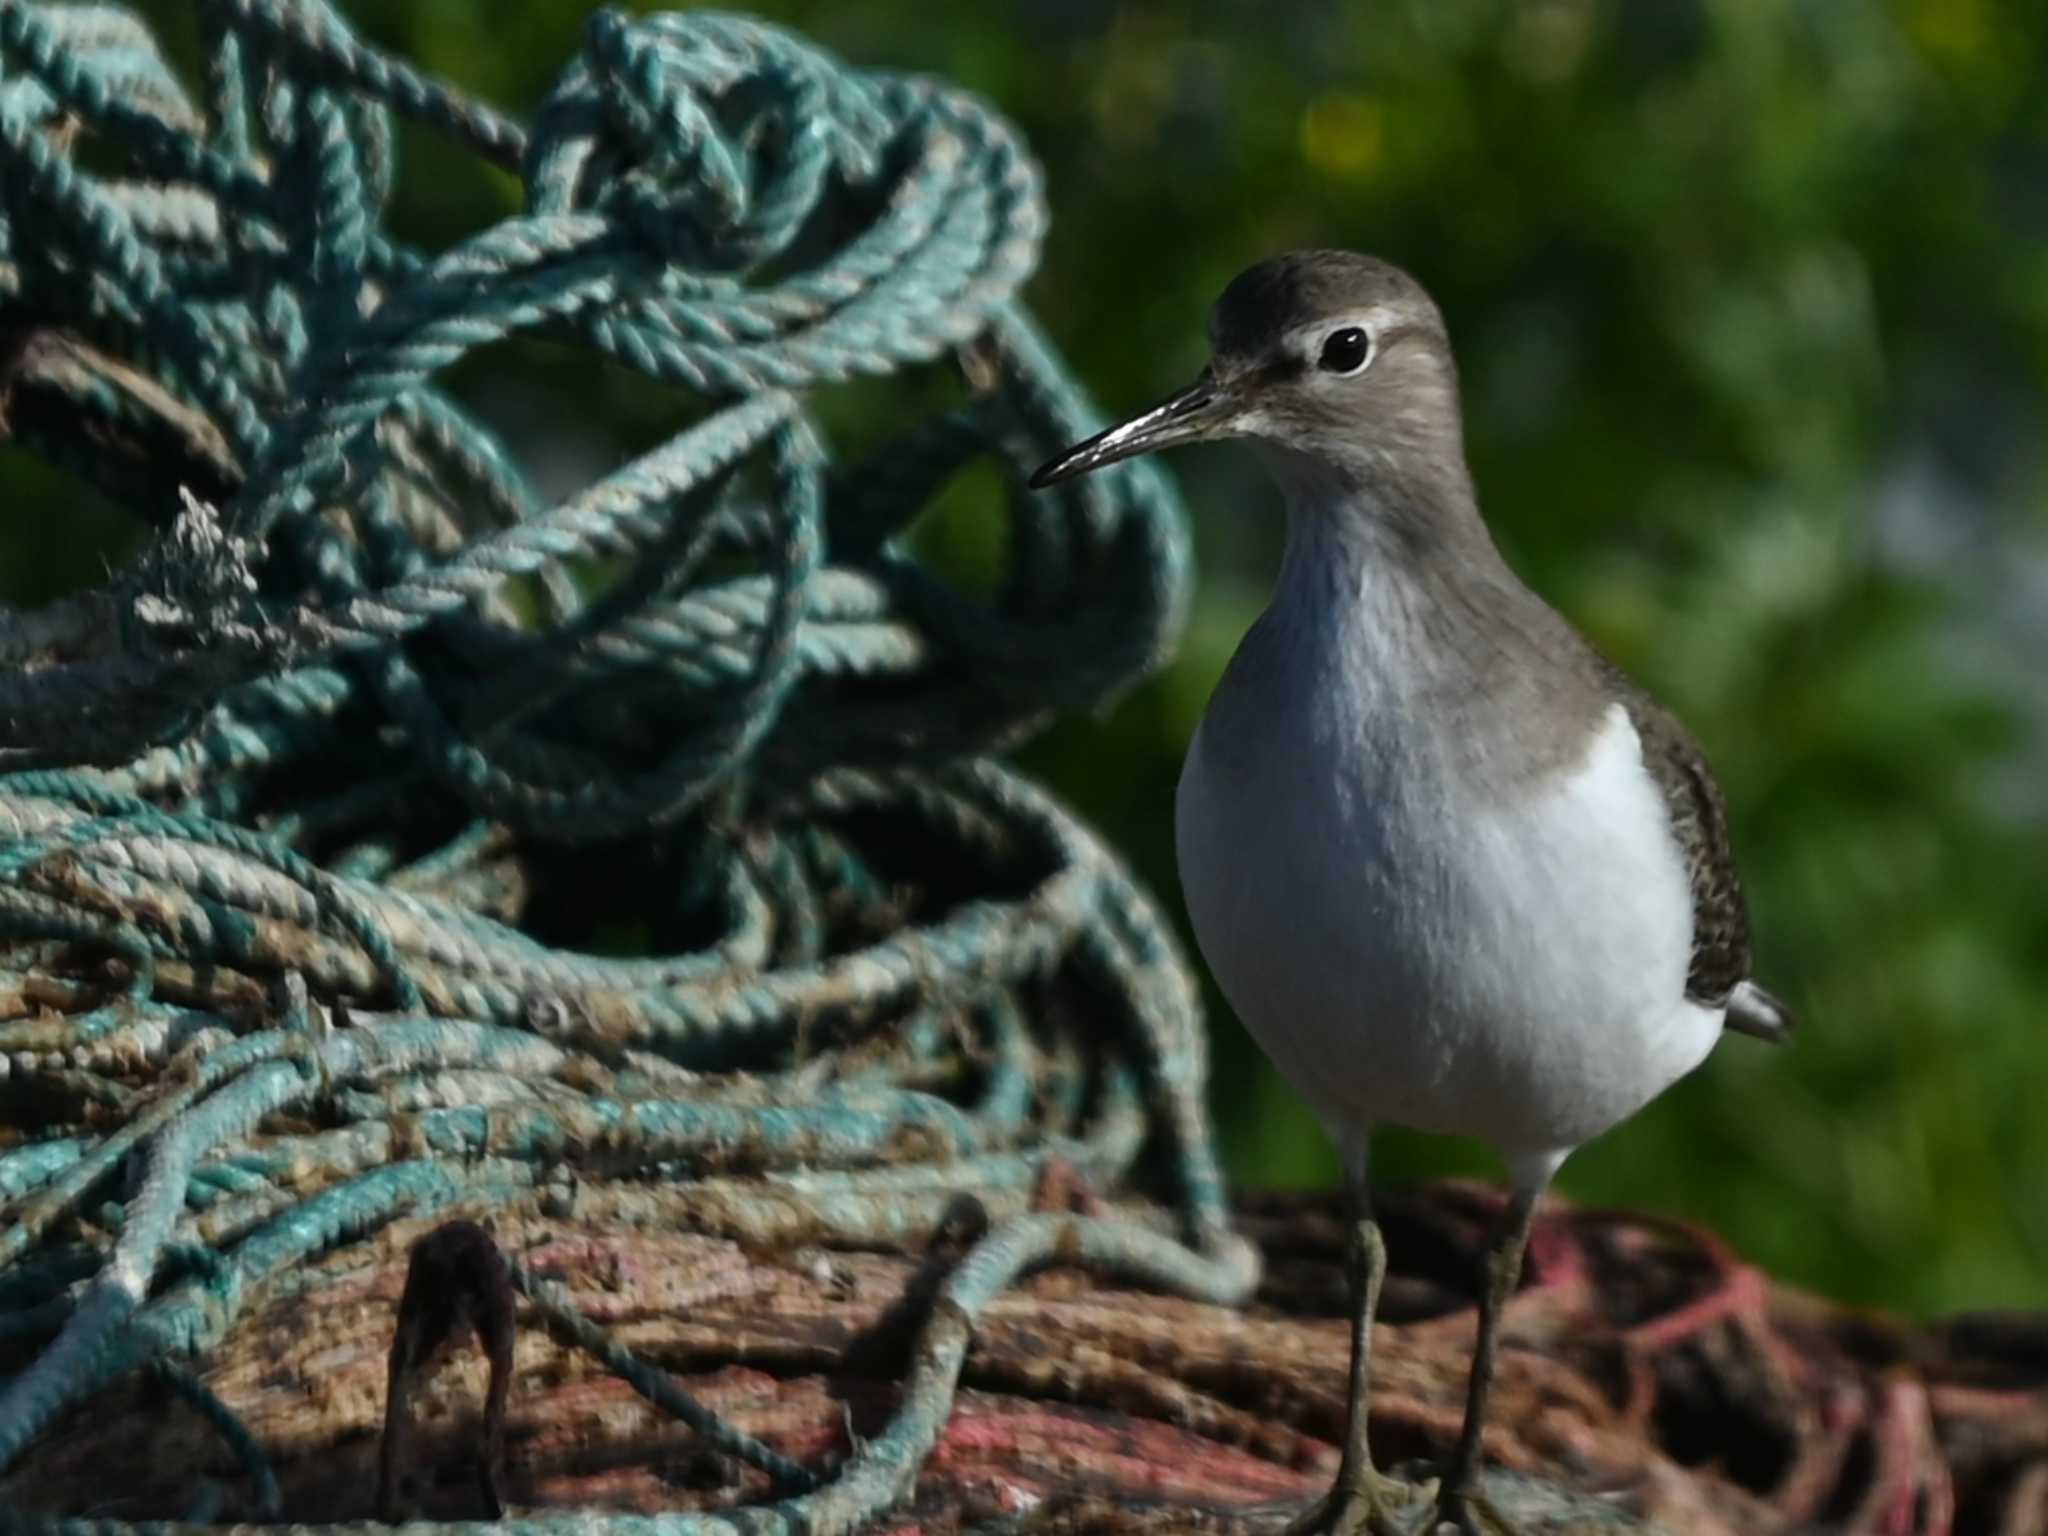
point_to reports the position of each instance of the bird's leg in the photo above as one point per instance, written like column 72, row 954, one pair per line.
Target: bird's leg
column 1362, row 1501
column 457, row 1279
column 1456, row 1499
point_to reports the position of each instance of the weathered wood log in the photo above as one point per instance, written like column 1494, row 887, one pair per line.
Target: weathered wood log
column 1645, row 1367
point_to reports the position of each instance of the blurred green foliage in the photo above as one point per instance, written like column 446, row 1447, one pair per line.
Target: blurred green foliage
column 1751, row 302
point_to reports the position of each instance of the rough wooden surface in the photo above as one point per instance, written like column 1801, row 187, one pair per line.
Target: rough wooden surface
column 1643, row 1365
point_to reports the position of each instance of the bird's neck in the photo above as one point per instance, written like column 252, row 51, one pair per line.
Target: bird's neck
column 1407, row 552
column 1393, row 596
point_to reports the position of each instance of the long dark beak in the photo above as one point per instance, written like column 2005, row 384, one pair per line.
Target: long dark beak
column 1205, row 409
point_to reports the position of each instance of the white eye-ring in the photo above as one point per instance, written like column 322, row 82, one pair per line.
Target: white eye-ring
column 1346, row 351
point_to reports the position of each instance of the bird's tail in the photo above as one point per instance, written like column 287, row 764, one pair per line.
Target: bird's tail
column 1753, row 1011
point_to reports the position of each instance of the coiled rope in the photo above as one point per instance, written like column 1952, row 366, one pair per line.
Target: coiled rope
column 330, row 942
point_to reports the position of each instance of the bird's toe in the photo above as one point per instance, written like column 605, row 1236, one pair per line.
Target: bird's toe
column 1386, row 1506
column 1471, row 1514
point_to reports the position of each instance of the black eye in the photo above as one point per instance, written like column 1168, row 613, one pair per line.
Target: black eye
column 1345, row 351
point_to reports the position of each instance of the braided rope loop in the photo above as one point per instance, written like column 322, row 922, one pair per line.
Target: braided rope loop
column 450, row 836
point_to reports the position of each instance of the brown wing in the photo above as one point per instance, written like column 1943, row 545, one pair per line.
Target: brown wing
column 1699, row 820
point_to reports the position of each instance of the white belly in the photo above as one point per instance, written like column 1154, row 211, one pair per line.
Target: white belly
column 1416, row 953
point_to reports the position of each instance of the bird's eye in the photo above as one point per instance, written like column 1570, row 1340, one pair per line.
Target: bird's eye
column 1345, row 351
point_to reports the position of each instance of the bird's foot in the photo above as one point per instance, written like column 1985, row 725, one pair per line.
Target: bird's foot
column 1470, row 1514
column 1385, row 1506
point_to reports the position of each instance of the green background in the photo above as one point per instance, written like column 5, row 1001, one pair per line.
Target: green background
column 1751, row 302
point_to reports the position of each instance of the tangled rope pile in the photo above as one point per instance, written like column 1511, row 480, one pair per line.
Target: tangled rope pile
column 385, row 752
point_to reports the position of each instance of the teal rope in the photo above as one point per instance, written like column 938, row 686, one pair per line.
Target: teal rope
column 872, row 971
column 559, row 1314
column 251, row 1455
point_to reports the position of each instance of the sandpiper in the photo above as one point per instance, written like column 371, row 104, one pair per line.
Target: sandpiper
column 1451, row 867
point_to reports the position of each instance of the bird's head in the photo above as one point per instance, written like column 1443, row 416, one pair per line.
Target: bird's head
column 1325, row 356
